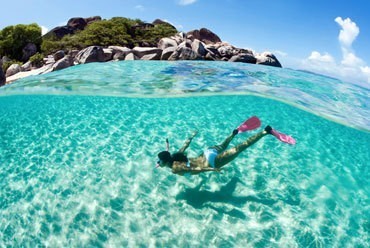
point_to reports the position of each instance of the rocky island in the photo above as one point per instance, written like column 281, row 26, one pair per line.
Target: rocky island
column 65, row 46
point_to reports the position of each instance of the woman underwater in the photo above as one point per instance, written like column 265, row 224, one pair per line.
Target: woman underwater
column 215, row 157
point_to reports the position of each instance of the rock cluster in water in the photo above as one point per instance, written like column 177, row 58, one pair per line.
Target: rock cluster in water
column 200, row 44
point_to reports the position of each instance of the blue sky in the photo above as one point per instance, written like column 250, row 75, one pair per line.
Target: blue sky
column 324, row 36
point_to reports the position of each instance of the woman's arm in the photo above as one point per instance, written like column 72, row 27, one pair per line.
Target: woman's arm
column 196, row 170
column 187, row 142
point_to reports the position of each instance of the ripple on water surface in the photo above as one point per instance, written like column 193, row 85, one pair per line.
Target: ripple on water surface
column 324, row 96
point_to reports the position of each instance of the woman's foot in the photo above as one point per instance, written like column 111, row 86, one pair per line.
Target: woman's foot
column 268, row 129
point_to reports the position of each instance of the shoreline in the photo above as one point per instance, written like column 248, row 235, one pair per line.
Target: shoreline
column 175, row 48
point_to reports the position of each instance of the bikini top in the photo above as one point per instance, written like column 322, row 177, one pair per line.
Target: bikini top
column 188, row 164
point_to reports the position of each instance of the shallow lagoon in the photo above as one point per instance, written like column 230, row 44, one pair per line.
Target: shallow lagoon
column 78, row 149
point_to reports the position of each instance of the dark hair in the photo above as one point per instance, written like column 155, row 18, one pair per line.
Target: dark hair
column 166, row 157
column 179, row 156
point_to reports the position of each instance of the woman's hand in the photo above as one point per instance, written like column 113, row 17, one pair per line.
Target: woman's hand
column 195, row 132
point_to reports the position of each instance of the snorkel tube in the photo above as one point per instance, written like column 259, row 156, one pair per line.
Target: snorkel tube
column 167, row 149
column 167, row 145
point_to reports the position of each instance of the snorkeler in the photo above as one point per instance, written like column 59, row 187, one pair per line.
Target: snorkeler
column 215, row 157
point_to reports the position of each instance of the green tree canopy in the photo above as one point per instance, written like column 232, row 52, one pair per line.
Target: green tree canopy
column 14, row 38
column 107, row 32
column 117, row 31
column 154, row 34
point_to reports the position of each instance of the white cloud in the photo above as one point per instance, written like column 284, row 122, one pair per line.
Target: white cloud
column 44, row 30
column 351, row 60
column 355, row 74
column 349, row 31
column 316, row 56
column 366, row 70
column 350, row 68
column 347, row 36
column 321, row 63
column 139, row 7
column 186, row 2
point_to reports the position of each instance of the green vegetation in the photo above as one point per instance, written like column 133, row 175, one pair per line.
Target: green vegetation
column 116, row 31
column 53, row 44
column 7, row 64
column 14, row 38
column 154, row 34
column 37, row 60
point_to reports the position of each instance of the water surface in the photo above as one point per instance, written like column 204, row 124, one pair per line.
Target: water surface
column 78, row 148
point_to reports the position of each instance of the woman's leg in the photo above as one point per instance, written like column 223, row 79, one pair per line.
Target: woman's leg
column 222, row 147
column 229, row 155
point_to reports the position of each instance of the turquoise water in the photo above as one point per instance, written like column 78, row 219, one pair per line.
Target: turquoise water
column 78, row 149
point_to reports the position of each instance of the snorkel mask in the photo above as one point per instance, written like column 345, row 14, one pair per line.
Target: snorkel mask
column 167, row 149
